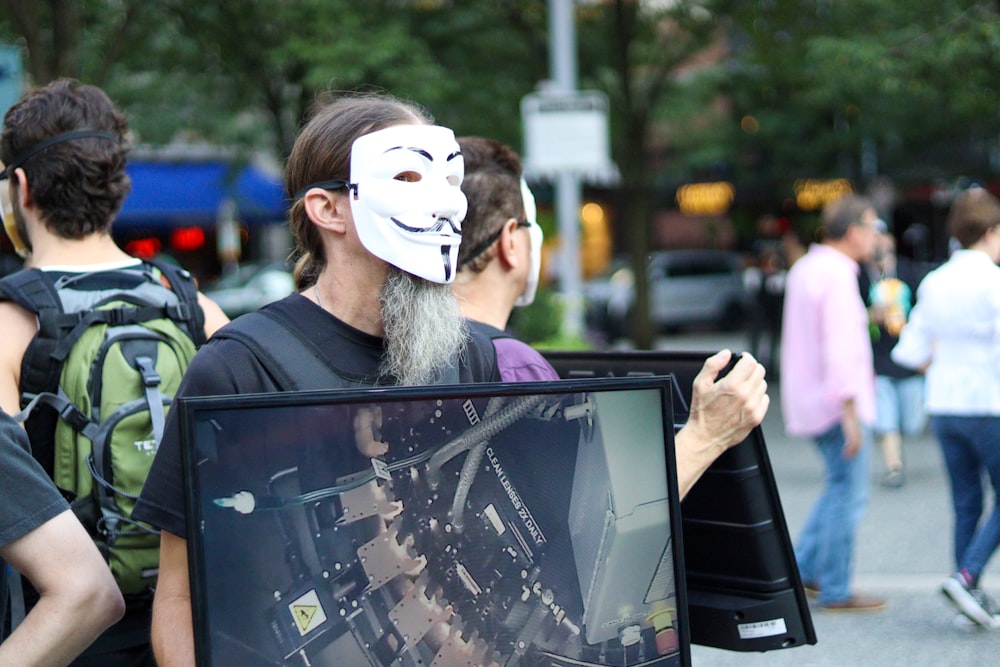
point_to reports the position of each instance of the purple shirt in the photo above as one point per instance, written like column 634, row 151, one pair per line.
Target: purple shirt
column 826, row 353
column 519, row 362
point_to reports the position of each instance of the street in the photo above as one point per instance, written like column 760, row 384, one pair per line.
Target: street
column 903, row 552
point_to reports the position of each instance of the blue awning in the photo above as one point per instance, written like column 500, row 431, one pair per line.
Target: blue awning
column 178, row 193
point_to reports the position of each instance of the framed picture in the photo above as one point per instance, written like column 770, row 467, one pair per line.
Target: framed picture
column 751, row 603
column 527, row 524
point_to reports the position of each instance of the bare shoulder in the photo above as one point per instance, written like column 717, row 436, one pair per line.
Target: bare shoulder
column 214, row 317
column 19, row 327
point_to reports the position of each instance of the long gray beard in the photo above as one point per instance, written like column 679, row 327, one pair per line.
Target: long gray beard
column 424, row 329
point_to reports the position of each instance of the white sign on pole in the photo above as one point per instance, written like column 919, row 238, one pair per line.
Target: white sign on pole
column 567, row 132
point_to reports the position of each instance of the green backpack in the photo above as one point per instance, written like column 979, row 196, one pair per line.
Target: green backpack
column 96, row 383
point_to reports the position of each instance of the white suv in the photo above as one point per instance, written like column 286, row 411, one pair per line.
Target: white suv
column 686, row 288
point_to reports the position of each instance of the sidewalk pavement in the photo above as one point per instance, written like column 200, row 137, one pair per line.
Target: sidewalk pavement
column 903, row 552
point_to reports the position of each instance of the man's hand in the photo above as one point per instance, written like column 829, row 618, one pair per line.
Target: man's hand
column 723, row 412
column 851, row 426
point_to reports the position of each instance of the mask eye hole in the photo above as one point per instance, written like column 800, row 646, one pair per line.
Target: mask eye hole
column 408, row 177
column 453, row 179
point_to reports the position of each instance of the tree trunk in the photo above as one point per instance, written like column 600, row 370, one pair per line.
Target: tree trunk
column 66, row 27
column 638, row 210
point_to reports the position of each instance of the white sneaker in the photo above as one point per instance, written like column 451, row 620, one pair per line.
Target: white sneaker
column 972, row 602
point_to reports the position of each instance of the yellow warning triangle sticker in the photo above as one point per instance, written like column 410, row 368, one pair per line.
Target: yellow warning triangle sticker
column 307, row 612
column 303, row 615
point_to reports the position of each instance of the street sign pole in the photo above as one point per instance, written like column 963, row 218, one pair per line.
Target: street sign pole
column 562, row 65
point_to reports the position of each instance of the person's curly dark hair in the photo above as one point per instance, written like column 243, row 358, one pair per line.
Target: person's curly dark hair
column 492, row 185
column 78, row 185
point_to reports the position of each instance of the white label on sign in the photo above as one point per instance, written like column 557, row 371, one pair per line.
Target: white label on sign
column 762, row 629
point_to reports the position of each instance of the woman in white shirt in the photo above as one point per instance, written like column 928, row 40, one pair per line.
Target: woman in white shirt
column 954, row 335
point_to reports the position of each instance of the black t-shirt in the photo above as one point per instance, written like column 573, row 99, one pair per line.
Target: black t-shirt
column 28, row 498
column 225, row 366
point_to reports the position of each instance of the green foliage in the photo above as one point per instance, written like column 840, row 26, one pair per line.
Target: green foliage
column 918, row 82
column 540, row 321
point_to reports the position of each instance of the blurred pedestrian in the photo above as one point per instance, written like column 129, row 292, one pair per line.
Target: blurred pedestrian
column 770, row 295
column 889, row 286
column 376, row 215
column 828, row 393
column 954, row 333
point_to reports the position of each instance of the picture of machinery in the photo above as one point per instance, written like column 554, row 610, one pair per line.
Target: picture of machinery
column 504, row 530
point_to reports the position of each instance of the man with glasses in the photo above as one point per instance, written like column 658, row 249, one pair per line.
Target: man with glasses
column 828, row 392
column 499, row 261
column 500, row 257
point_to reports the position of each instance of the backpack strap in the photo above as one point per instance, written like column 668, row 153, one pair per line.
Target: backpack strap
column 480, row 354
column 488, row 330
column 299, row 364
column 34, row 291
column 182, row 283
column 296, row 364
column 59, row 402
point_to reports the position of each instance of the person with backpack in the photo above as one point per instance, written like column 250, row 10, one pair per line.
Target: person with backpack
column 376, row 214
column 41, row 539
column 498, row 269
column 95, row 341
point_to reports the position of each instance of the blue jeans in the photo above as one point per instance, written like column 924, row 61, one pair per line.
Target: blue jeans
column 971, row 445
column 825, row 550
column 900, row 405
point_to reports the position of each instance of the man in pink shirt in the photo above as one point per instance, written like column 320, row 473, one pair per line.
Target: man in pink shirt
column 828, row 392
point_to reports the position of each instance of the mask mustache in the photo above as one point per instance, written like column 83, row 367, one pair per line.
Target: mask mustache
column 437, row 227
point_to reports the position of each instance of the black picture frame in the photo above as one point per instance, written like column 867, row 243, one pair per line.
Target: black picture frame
column 744, row 588
column 306, row 549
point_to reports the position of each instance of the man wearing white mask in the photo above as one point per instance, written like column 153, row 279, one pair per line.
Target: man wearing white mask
column 376, row 215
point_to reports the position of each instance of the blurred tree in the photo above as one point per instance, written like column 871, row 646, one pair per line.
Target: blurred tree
column 50, row 31
column 228, row 71
column 267, row 60
column 493, row 52
column 635, row 52
column 75, row 38
column 861, row 88
column 811, row 87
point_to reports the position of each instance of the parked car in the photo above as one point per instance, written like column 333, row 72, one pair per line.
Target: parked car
column 250, row 286
column 686, row 288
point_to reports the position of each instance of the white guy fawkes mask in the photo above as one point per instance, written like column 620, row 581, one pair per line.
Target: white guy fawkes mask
column 536, row 237
column 407, row 200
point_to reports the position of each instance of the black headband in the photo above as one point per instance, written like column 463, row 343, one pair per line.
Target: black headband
column 51, row 141
column 490, row 240
column 323, row 185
